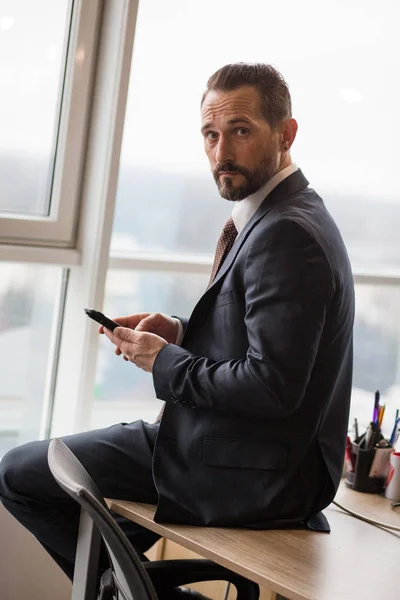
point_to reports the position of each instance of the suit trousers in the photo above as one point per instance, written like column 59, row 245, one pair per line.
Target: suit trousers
column 119, row 460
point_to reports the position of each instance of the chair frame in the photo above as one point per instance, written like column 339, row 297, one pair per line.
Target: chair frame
column 96, row 522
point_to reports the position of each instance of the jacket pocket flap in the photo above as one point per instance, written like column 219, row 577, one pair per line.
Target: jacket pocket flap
column 243, row 454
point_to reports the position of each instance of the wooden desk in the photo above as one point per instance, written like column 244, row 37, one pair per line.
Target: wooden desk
column 357, row 560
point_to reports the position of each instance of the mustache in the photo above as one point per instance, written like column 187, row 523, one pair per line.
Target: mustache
column 230, row 167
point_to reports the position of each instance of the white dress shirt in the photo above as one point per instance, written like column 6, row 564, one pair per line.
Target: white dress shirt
column 244, row 210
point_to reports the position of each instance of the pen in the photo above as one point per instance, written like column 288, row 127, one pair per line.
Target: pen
column 392, row 439
column 376, row 407
column 368, row 436
column 356, row 429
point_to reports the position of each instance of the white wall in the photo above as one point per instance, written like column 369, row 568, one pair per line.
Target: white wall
column 26, row 570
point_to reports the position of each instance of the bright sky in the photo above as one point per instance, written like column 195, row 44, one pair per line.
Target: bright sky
column 341, row 59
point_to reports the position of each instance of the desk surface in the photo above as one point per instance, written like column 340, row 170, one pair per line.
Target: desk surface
column 356, row 560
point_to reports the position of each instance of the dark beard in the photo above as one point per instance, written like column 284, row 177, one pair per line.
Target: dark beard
column 262, row 173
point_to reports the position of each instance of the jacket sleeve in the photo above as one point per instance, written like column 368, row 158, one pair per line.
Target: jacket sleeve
column 288, row 289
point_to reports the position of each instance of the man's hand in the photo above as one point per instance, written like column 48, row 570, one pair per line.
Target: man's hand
column 138, row 347
column 158, row 323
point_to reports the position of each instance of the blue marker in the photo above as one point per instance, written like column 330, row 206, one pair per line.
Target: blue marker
column 396, row 422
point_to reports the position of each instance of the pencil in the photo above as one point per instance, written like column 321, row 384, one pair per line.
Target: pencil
column 381, row 413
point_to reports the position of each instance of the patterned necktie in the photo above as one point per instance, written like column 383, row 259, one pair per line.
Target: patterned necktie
column 225, row 243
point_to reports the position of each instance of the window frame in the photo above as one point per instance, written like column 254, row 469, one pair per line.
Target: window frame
column 76, row 365
column 59, row 228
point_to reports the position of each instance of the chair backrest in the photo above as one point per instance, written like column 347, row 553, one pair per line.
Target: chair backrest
column 131, row 579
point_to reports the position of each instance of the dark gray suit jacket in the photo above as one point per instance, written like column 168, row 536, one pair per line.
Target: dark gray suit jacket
column 257, row 396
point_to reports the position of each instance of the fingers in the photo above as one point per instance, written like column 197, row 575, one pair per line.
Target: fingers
column 124, row 339
column 131, row 321
column 139, row 347
column 127, row 321
column 118, row 352
column 151, row 322
column 124, row 335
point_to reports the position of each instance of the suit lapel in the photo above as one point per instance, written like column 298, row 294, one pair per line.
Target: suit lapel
column 291, row 185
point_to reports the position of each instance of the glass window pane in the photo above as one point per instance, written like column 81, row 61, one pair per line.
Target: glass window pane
column 32, row 56
column 340, row 61
column 28, row 298
column 377, row 353
column 124, row 392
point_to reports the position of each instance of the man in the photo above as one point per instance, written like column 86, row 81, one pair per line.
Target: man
column 257, row 382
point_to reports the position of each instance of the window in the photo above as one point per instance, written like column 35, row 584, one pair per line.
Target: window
column 38, row 220
column 46, row 58
column 32, row 61
column 377, row 352
column 340, row 85
column 29, row 303
column 59, row 151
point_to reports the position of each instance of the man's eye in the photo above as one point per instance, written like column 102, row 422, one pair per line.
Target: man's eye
column 241, row 131
column 211, row 135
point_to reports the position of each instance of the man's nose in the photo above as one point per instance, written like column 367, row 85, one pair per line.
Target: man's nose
column 223, row 151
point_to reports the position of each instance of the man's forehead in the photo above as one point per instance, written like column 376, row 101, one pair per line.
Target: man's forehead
column 243, row 101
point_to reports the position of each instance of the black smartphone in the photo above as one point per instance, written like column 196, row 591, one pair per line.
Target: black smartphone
column 102, row 319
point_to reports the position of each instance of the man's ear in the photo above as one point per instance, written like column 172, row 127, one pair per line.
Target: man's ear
column 289, row 131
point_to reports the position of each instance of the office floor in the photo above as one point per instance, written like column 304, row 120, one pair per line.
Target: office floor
column 26, row 571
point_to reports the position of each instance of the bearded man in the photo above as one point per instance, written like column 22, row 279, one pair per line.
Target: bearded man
column 256, row 382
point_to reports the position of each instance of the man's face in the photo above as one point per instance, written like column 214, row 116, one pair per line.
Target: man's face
column 242, row 149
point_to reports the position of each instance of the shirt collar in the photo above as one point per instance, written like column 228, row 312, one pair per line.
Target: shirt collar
column 245, row 209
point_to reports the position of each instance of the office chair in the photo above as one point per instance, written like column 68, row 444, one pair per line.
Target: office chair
column 129, row 578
